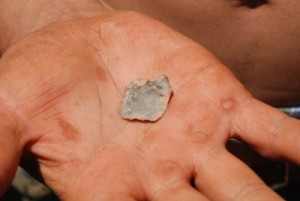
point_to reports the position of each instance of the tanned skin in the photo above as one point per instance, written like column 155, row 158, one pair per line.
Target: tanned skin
column 259, row 40
column 63, row 71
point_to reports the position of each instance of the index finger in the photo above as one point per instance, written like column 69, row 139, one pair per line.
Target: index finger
column 268, row 130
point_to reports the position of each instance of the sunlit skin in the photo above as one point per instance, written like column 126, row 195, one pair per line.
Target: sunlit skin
column 257, row 39
column 61, row 90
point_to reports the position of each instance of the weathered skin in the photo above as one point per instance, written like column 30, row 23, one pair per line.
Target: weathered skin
column 259, row 40
column 61, row 88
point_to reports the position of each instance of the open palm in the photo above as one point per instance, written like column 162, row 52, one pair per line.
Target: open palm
column 64, row 86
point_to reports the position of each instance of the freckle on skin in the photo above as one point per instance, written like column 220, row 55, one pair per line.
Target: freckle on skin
column 227, row 104
column 101, row 74
column 69, row 131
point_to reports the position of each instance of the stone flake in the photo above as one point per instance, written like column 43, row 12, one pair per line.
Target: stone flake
column 146, row 100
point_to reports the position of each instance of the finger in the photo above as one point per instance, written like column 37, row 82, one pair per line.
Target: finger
column 178, row 192
column 223, row 177
column 102, row 195
column 268, row 130
column 117, row 198
column 169, row 180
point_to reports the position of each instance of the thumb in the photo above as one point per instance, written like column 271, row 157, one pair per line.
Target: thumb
column 10, row 149
column 269, row 131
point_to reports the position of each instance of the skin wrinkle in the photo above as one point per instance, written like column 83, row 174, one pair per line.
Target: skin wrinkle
column 105, row 71
column 100, row 55
column 113, row 80
column 277, row 134
column 123, row 24
column 40, row 147
column 46, row 157
column 201, row 160
column 247, row 191
column 274, row 137
column 54, row 100
column 170, row 148
column 100, row 140
column 194, row 76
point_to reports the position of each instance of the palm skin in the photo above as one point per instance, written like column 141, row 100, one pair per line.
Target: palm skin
column 64, row 86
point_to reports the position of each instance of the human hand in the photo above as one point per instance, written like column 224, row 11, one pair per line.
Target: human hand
column 61, row 90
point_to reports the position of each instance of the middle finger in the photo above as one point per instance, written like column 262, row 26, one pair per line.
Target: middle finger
column 180, row 191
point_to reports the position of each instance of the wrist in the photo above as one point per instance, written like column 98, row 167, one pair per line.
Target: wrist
column 18, row 18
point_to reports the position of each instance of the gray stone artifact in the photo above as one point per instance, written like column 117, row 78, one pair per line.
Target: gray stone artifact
column 146, row 100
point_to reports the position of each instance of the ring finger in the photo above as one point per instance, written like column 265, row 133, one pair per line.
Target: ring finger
column 221, row 176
